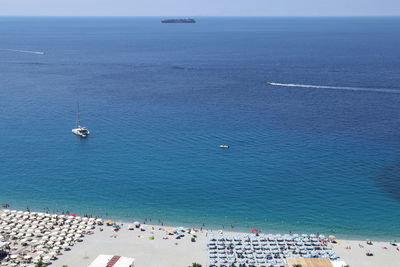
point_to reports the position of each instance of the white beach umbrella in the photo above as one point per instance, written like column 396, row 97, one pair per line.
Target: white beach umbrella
column 47, row 258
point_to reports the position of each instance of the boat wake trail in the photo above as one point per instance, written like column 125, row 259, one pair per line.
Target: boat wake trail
column 382, row 90
column 24, row 51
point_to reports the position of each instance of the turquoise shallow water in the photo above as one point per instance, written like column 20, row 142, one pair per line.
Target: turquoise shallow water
column 159, row 99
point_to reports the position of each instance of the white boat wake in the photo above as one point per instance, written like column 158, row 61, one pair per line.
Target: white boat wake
column 24, row 51
column 383, row 90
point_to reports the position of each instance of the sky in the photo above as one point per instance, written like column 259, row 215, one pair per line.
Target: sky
column 200, row 7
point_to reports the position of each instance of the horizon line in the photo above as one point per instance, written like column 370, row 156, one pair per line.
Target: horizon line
column 210, row 16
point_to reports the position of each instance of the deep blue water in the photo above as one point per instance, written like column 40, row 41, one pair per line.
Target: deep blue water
column 160, row 98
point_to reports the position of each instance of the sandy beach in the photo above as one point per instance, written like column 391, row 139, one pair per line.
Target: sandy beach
column 183, row 252
column 150, row 253
column 356, row 255
column 75, row 241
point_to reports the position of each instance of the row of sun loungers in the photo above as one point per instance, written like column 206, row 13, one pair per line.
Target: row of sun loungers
column 265, row 250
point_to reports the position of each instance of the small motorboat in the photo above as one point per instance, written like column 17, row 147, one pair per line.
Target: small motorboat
column 223, row 146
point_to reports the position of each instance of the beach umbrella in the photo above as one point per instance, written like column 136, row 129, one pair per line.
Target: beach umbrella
column 331, row 237
column 254, row 230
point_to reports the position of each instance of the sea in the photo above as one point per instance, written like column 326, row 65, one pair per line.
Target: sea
column 310, row 108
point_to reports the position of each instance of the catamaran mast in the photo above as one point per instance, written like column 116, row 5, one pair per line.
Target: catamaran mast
column 78, row 121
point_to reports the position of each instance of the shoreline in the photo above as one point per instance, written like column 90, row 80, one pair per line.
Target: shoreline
column 215, row 229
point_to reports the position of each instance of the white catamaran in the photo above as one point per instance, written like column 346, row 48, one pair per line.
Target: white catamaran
column 80, row 130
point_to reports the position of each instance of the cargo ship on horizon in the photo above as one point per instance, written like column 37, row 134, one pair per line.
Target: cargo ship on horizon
column 185, row 20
